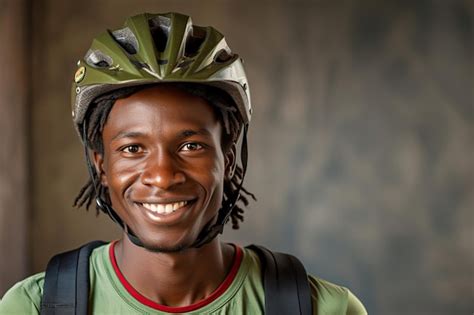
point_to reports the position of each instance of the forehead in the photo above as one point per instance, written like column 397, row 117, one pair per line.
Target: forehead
column 160, row 108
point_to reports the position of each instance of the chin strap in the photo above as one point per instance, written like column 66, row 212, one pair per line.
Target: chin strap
column 115, row 217
column 208, row 233
column 102, row 204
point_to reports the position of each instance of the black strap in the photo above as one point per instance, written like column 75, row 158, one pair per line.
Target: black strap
column 285, row 282
column 66, row 284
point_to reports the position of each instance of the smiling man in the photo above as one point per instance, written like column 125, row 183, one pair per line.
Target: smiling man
column 160, row 106
column 164, row 166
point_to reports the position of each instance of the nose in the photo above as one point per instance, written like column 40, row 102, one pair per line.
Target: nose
column 162, row 171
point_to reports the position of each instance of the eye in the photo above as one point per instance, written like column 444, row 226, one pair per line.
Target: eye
column 131, row 149
column 191, row 146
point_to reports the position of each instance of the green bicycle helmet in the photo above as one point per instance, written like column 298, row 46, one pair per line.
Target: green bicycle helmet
column 154, row 49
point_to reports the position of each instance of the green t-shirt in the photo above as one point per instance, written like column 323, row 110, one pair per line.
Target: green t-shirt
column 240, row 293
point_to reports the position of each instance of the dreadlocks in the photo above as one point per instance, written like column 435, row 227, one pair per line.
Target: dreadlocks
column 96, row 117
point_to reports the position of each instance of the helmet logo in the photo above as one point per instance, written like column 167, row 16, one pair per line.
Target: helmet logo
column 80, row 74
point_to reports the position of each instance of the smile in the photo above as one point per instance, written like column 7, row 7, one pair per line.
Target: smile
column 164, row 208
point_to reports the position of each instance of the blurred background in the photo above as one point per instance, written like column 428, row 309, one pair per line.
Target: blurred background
column 361, row 143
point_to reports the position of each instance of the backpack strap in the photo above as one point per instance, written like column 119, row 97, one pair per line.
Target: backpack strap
column 66, row 283
column 285, row 282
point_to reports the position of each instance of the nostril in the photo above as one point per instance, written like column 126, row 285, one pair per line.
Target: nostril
column 163, row 179
column 162, row 170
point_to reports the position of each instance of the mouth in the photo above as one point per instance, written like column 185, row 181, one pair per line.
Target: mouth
column 165, row 212
column 164, row 208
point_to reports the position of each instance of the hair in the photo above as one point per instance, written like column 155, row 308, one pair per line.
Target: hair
column 96, row 118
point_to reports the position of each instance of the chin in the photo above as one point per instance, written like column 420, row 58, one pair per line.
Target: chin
column 165, row 245
column 165, row 249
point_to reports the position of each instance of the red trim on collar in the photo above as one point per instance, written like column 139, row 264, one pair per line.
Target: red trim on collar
column 182, row 309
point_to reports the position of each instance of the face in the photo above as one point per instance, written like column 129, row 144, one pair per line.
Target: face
column 163, row 165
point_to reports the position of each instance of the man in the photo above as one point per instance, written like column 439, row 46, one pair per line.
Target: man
column 160, row 105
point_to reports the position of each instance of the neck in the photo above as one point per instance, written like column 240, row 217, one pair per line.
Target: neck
column 175, row 279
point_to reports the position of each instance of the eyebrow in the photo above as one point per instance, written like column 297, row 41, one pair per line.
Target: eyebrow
column 128, row 134
column 182, row 135
column 188, row 133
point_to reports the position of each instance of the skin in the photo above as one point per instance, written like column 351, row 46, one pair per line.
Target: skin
column 163, row 145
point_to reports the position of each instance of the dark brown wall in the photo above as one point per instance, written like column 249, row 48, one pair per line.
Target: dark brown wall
column 14, row 260
column 360, row 145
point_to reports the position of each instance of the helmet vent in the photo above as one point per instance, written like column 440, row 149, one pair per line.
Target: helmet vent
column 160, row 29
column 126, row 39
column 223, row 56
column 98, row 59
column 194, row 41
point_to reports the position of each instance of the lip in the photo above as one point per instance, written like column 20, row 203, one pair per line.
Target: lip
column 165, row 200
column 166, row 218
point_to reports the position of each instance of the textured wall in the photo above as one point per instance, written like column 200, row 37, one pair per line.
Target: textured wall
column 14, row 81
column 360, row 148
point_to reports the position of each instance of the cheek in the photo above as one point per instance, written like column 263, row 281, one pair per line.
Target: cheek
column 217, row 172
column 207, row 173
column 212, row 182
column 120, row 175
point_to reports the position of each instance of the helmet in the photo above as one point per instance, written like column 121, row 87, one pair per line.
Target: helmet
column 161, row 48
column 155, row 48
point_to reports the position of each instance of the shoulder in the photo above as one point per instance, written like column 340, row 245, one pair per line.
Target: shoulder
column 24, row 297
column 329, row 298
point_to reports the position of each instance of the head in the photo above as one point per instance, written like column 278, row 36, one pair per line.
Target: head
column 184, row 103
column 171, row 144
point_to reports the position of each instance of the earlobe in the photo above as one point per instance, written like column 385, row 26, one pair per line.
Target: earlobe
column 99, row 168
column 230, row 162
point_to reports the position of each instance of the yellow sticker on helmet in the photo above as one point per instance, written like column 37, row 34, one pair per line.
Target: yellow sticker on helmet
column 80, row 74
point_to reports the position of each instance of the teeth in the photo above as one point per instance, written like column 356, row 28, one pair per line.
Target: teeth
column 178, row 205
column 164, row 208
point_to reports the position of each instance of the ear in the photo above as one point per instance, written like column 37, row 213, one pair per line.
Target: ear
column 99, row 168
column 230, row 162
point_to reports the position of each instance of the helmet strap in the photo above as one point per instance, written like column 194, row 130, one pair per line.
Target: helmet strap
column 208, row 233
column 102, row 204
